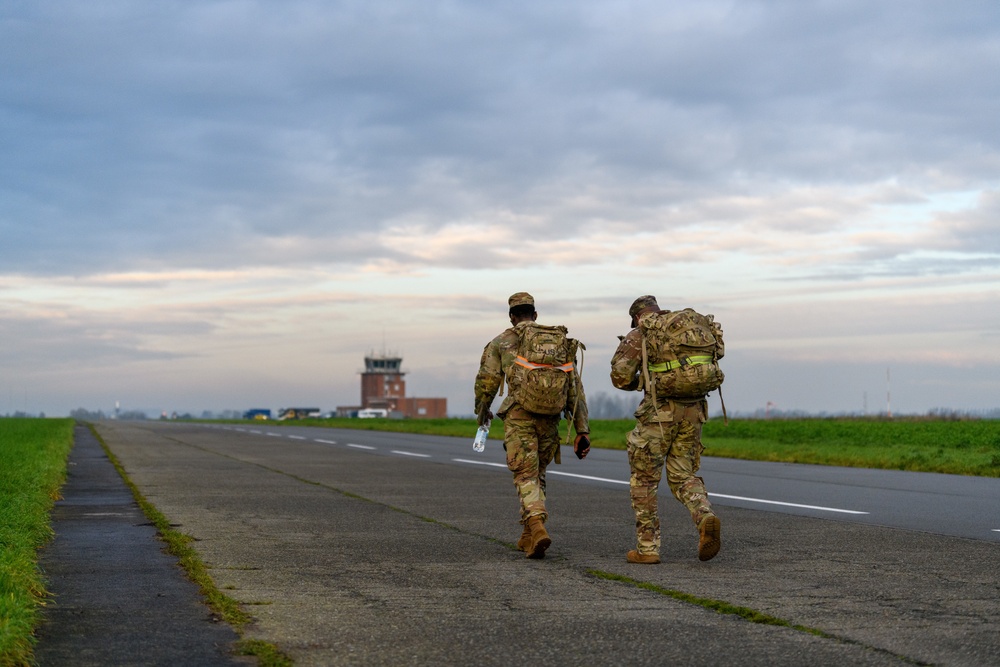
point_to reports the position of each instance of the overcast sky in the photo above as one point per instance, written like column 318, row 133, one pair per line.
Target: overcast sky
column 225, row 205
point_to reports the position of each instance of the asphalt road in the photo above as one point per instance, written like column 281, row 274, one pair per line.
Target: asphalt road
column 357, row 548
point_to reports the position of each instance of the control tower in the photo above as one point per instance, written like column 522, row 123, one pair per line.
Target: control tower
column 382, row 383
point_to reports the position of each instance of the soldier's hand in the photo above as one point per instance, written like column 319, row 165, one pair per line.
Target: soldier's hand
column 581, row 446
column 487, row 418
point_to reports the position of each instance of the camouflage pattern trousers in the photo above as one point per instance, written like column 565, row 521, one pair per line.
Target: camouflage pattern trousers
column 679, row 447
column 531, row 444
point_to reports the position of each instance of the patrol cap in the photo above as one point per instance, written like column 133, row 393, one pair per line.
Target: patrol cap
column 640, row 304
column 520, row 299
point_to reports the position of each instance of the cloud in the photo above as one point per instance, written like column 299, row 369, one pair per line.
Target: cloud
column 213, row 121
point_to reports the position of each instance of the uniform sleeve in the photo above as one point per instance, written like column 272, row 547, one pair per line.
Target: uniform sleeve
column 489, row 377
column 626, row 362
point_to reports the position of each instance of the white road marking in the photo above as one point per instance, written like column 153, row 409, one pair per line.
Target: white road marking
column 776, row 502
column 257, row 432
column 296, row 437
column 351, row 444
column 596, row 479
column 398, row 451
column 326, row 442
column 274, row 435
column 481, row 463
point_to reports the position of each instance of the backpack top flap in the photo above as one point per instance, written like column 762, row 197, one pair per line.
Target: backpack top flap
column 676, row 334
column 542, row 344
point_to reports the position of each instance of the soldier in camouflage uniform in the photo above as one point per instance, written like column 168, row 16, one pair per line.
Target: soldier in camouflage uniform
column 530, row 440
column 669, row 436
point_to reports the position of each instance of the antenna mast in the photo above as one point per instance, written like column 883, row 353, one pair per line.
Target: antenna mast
column 888, row 394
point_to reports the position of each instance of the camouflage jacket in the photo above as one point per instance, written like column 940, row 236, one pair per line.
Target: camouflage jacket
column 495, row 365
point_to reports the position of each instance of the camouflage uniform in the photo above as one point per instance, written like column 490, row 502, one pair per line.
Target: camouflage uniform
column 530, row 440
column 669, row 436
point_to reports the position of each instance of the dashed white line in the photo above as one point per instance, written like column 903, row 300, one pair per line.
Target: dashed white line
column 588, row 477
column 399, row 451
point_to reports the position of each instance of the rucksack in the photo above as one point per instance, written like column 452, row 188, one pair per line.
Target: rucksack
column 681, row 350
column 544, row 367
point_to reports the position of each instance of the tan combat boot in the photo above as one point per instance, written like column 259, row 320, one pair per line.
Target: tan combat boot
column 710, row 529
column 540, row 539
column 642, row 559
column 525, row 540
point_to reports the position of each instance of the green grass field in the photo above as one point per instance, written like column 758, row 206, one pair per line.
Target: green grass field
column 33, row 456
column 924, row 445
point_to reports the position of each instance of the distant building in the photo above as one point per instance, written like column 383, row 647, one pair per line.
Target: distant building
column 383, row 387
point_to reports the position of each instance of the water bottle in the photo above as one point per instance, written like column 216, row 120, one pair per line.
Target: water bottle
column 479, row 444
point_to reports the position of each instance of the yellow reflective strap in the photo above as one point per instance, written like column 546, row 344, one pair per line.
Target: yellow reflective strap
column 665, row 366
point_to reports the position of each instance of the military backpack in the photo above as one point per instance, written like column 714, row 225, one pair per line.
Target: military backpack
column 681, row 350
column 543, row 368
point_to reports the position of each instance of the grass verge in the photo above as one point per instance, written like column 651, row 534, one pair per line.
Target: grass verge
column 717, row 606
column 746, row 613
column 179, row 545
column 33, row 456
